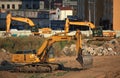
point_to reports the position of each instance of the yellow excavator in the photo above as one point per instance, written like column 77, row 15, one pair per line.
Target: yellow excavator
column 31, row 61
column 97, row 32
column 34, row 29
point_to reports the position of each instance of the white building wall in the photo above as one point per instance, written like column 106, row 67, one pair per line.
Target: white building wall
column 5, row 3
column 53, row 17
column 61, row 14
column 65, row 13
column 17, row 3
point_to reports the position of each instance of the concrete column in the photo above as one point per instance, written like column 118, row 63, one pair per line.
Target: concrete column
column 116, row 15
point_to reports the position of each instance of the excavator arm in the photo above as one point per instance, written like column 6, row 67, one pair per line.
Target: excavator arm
column 68, row 23
column 97, row 32
column 8, row 22
column 43, row 50
column 9, row 18
column 26, row 20
column 34, row 30
column 85, row 61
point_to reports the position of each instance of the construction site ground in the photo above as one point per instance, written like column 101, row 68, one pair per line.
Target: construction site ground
column 106, row 63
column 103, row 67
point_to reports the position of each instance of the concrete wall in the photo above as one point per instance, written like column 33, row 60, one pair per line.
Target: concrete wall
column 116, row 15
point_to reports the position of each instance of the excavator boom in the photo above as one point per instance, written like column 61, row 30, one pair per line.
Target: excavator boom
column 26, row 20
column 8, row 22
column 68, row 23
column 34, row 28
column 9, row 18
column 97, row 32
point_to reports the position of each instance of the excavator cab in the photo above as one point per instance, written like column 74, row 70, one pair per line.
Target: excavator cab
column 34, row 29
column 97, row 32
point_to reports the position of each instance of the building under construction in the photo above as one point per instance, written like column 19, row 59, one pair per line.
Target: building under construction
column 100, row 12
column 104, row 13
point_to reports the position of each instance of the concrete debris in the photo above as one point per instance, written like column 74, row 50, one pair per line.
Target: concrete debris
column 108, row 48
column 4, row 55
column 3, row 50
column 69, row 50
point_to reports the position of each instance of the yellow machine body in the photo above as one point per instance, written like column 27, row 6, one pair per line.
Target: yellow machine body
column 42, row 55
column 97, row 32
column 34, row 28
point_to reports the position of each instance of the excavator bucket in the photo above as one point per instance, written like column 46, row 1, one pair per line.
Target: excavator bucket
column 86, row 61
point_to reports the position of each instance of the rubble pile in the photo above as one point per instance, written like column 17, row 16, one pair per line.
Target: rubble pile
column 69, row 50
column 108, row 48
column 4, row 55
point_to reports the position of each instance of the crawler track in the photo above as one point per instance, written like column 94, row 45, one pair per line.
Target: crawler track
column 36, row 68
column 32, row 68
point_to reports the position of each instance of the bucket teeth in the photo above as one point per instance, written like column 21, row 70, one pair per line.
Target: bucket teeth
column 86, row 61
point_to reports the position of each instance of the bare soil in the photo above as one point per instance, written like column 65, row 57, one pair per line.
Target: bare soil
column 103, row 67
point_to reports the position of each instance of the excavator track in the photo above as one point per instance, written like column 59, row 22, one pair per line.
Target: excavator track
column 37, row 67
column 30, row 68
